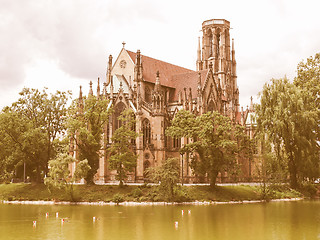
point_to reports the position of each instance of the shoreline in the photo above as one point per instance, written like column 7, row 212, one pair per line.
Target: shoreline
column 196, row 203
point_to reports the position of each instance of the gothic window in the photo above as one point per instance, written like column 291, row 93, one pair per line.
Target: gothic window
column 118, row 109
column 217, row 53
column 158, row 102
column 211, row 106
column 147, row 94
column 133, row 141
column 146, row 130
column 176, row 142
column 146, row 165
column 210, row 38
column 165, row 136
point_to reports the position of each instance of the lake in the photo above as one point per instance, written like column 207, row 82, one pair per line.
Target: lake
column 274, row 220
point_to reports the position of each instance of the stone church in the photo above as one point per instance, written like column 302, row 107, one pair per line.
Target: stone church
column 157, row 90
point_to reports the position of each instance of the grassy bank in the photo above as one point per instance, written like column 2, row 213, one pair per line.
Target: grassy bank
column 144, row 193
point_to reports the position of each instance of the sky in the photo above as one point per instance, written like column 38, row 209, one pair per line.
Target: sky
column 62, row 44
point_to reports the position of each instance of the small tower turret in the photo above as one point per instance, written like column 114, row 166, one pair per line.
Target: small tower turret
column 80, row 103
column 199, row 63
column 158, row 97
column 108, row 80
column 90, row 89
column 98, row 89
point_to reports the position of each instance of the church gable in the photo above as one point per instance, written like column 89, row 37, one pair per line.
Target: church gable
column 124, row 66
column 211, row 93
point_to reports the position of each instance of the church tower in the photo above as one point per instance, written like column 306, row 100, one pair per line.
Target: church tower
column 216, row 50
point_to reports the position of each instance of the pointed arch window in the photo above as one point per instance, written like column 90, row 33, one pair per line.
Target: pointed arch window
column 211, row 106
column 210, row 39
column 117, row 111
column 147, row 94
column 146, row 130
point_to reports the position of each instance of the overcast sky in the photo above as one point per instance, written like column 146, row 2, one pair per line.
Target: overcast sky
column 62, row 44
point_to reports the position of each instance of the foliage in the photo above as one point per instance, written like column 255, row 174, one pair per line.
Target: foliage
column 87, row 120
column 95, row 193
column 276, row 191
column 29, row 130
column 287, row 120
column 136, row 193
column 245, row 150
column 212, row 141
column 122, row 155
column 118, row 198
column 309, row 190
column 59, row 174
column 168, row 176
column 308, row 78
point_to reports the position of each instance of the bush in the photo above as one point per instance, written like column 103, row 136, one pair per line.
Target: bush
column 136, row 193
column 309, row 190
column 117, row 198
column 181, row 195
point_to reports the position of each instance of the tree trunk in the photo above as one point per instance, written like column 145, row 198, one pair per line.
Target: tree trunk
column 293, row 173
column 90, row 176
column 213, row 178
column 38, row 172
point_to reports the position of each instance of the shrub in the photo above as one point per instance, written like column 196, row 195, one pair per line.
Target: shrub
column 118, row 198
column 181, row 195
column 136, row 193
column 309, row 190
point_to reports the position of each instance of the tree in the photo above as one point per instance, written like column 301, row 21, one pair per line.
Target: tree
column 246, row 147
column 308, row 78
column 168, row 176
column 31, row 126
column 59, row 174
column 86, row 122
column 122, row 155
column 287, row 119
column 22, row 143
column 47, row 112
column 212, row 140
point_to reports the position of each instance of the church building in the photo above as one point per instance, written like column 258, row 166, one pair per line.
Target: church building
column 157, row 90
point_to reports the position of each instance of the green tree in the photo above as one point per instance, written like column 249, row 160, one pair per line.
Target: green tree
column 47, row 112
column 22, row 143
column 246, row 147
column 86, row 122
column 287, row 119
column 212, row 140
column 32, row 126
column 168, row 176
column 122, row 155
column 308, row 77
column 60, row 176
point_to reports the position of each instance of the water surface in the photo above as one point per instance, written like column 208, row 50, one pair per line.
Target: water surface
column 276, row 220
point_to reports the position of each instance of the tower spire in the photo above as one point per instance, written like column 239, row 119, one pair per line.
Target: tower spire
column 199, row 63
column 157, row 85
column 98, row 88
column 251, row 104
column 233, row 52
column 80, row 103
column 109, row 70
column 90, row 90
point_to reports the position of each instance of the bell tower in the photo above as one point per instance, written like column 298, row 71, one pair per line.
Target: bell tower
column 216, row 51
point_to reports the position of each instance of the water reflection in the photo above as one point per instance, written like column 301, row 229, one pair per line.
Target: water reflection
column 282, row 220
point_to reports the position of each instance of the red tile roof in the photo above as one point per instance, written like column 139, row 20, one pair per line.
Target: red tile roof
column 167, row 70
column 188, row 80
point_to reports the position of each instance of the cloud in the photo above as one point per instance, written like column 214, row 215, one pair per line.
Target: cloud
column 76, row 34
column 271, row 37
